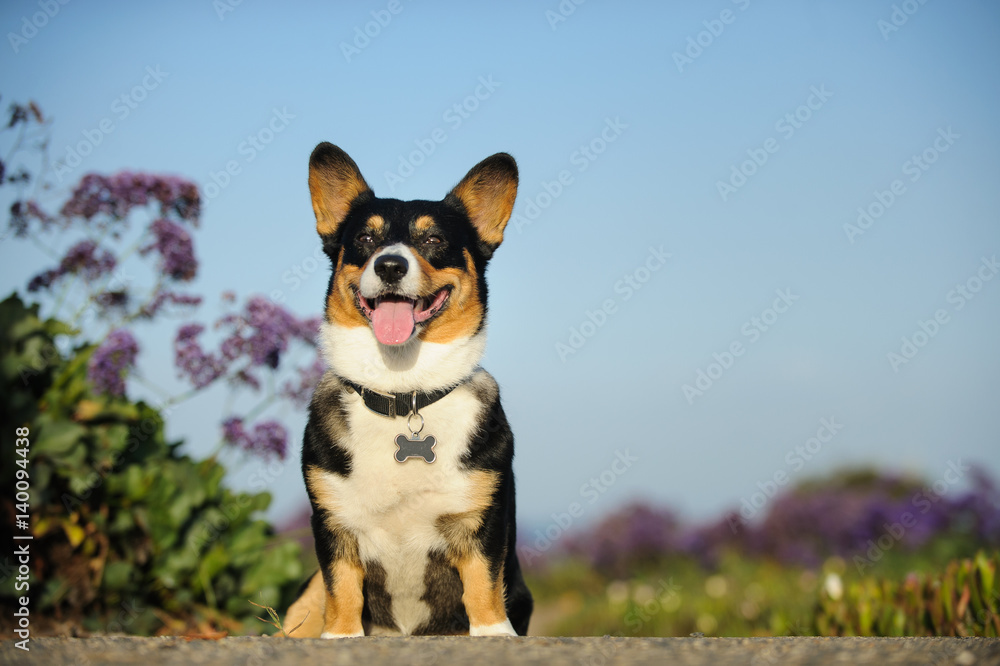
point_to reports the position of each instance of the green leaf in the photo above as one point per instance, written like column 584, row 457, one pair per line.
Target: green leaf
column 56, row 438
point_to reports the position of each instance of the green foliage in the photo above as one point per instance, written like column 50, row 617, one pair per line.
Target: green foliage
column 129, row 534
column 676, row 597
column 963, row 600
column 913, row 594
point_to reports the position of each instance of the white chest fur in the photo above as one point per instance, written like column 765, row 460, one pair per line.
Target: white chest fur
column 393, row 507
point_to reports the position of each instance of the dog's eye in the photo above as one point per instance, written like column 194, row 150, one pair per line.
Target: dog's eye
column 433, row 240
column 365, row 238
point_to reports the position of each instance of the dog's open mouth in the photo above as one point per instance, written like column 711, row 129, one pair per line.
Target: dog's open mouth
column 394, row 317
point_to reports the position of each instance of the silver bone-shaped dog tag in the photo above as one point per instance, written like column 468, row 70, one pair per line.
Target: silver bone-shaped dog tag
column 407, row 448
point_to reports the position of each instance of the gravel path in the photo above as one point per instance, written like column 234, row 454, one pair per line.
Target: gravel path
column 533, row 650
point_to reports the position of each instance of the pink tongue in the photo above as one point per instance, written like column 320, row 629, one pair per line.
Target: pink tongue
column 393, row 322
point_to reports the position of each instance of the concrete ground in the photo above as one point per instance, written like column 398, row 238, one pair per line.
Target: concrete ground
column 258, row 651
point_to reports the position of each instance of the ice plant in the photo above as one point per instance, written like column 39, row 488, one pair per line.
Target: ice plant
column 111, row 362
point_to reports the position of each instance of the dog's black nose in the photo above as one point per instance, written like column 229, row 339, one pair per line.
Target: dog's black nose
column 391, row 268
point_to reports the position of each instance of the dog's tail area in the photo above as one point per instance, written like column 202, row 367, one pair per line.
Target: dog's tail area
column 304, row 618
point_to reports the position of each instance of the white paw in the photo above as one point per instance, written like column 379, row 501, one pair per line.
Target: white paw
column 327, row 634
column 499, row 629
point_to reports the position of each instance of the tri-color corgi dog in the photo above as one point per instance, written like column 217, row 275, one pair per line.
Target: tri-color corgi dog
column 407, row 454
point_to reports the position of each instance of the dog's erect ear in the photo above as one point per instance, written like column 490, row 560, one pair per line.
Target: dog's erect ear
column 487, row 193
column 335, row 182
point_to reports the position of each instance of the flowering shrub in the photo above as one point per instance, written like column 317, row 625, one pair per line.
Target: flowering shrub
column 104, row 210
column 129, row 534
column 112, row 361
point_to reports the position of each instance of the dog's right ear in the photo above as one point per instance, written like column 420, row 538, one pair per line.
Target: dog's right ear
column 335, row 183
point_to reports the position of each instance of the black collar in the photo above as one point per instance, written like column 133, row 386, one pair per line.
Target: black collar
column 396, row 404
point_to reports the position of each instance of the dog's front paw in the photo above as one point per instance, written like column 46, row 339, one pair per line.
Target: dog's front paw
column 327, row 634
column 499, row 629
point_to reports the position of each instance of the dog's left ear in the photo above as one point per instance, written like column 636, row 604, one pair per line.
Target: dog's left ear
column 487, row 194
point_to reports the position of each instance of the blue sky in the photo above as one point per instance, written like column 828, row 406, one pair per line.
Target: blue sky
column 806, row 111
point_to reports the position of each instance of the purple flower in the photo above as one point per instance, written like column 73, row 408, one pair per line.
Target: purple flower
column 263, row 332
column 82, row 259
column 199, row 367
column 301, row 392
column 111, row 362
column 269, row 438
column 150, row 310
column 112, row 300
column 23, row 212
column 176, row 250
column 115, row 196
column 232, row 430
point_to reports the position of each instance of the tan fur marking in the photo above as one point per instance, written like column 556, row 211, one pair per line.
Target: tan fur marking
column 304, row 618
column 482, row 595
column 345, row 600
column 347, row 543
column 489, row 201
column 423, row 223
column 340, row 601
column 459, row 529
column 464, row 312
column 340, row 308
column 325, row 497
column 376, row 222
column 333, row 189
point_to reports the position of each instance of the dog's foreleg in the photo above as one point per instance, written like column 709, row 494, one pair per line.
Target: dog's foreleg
column 344, row 581
column 483, row 596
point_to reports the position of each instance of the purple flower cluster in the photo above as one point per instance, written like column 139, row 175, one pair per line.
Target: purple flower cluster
column 264, row 330
column 260, row 334
column 116, row 195
column 82, row 259
column 23, row 212
column 842, row 516
column 176, row 249
column 111, row 361
column 199, row 367
column 301, row 391
column 163, row 297
column 269, row 438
